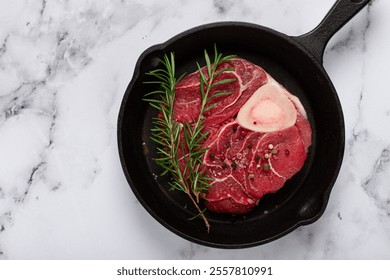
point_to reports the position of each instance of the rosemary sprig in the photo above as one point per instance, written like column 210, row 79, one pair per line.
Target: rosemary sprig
column 190, row 178
column 194, row 134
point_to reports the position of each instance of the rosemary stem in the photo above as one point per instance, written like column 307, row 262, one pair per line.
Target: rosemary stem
column 201, row 213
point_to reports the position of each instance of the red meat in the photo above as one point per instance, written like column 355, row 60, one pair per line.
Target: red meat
column 245, row 164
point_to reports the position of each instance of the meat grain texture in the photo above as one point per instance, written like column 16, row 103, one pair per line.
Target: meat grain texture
column 245, row 164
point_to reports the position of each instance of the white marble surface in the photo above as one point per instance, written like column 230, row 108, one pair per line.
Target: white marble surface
column 64, row 67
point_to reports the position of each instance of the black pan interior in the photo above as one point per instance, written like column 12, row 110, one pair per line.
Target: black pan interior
column 304, row 197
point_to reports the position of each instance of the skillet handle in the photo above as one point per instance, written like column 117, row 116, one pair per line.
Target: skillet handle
column 342, row 11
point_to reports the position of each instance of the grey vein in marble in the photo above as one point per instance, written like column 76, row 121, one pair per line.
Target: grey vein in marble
column 376, row 185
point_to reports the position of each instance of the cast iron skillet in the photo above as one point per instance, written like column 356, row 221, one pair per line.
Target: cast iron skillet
column 296, row 62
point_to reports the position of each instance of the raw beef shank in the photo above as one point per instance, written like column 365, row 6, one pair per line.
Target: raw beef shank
column 258, row 135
